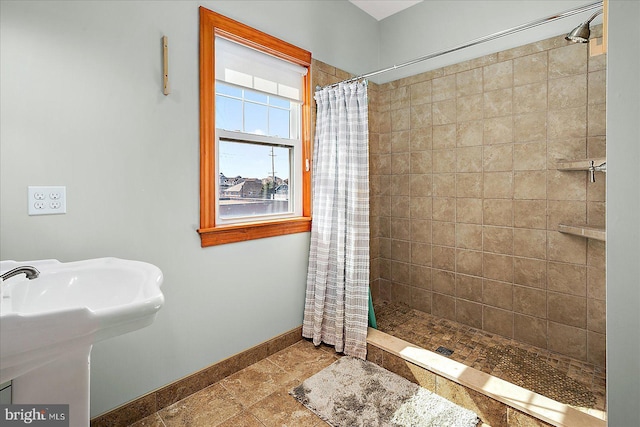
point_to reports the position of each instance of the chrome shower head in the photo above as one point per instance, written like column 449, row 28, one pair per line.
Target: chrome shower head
column 581, row 33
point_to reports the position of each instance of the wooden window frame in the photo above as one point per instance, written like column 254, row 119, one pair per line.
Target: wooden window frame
column 212, row 24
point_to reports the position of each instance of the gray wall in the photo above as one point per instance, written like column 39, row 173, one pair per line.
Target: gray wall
column 623, row 209
column 81, row 106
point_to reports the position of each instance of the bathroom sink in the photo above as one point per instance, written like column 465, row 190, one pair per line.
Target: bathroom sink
column 69, row 307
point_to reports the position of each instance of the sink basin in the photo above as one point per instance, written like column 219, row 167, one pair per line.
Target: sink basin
column 69, row 307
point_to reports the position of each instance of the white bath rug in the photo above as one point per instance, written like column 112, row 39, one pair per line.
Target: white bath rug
column 353, row 392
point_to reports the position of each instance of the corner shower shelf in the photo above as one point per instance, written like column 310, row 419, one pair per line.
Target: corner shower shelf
column 580, row 165
column 586, row 231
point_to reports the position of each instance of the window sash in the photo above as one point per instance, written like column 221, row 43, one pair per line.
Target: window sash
column 295, row 175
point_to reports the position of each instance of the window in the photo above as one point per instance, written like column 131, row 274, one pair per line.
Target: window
column 254, row 133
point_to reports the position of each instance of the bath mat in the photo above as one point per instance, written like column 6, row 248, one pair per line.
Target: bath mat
column 353, row 392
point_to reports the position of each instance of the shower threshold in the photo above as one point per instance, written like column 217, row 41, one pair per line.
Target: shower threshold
column 519, row 379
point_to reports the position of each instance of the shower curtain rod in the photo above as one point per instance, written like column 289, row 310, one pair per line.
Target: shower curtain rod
column 474, row 42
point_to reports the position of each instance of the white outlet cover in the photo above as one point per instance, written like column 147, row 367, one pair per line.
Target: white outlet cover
column 47, row 200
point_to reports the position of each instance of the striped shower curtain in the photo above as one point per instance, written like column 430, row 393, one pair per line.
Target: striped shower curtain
column 336, row 305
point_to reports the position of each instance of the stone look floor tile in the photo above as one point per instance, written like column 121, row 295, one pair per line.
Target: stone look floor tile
column 206, row 408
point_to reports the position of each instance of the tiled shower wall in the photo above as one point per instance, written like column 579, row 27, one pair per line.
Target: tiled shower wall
column 466, row 197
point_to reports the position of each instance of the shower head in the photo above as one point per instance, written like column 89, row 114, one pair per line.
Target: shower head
column 581, row 33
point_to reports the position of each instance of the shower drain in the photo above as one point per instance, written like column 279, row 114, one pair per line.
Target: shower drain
column 444, row 351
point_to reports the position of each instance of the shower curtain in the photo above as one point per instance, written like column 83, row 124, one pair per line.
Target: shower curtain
column 336, row 305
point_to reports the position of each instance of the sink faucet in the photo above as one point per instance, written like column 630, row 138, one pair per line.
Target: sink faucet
column 31, row 272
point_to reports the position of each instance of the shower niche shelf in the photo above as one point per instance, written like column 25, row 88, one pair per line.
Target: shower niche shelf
column 585, row 231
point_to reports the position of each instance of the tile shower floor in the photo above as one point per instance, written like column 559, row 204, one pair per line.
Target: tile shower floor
column 257, row 396
column 569, row 381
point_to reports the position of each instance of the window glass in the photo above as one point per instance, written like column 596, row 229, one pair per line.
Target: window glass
column 254, row 179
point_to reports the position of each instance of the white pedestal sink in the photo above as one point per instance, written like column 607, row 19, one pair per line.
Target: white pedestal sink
column 49, row 324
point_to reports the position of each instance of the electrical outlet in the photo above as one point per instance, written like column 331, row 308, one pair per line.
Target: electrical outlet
column 49, row 200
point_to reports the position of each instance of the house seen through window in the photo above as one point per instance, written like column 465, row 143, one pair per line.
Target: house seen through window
column 254, row 142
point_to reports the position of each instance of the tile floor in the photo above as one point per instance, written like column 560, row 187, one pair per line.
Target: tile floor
column 566, row 380
column 257, row 396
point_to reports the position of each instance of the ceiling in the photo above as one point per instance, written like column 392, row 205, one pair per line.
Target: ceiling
column 381, row 9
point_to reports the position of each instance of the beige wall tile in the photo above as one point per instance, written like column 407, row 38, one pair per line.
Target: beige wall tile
column 530, row 213
column 400, row 184
column 401, row 229
column 469, row 236
column 497, row 321
column 420, row 116
column 420, row 231
column 469, row 211
column 596, row 316
column 469, row 185
column 420, row 185
column 530, row 272
column 444, row 258
column 498, row 103
column 596, row 280
column 596, row 254
column 469, row 159
column 530, row 127
column 420, row 300
column 421, row 253
column 566, row 248
column 530, row 156
column 470, row 133
column 567, row 123
column 443, row 88
column 530, row 301
column 530, row 185
column 498, row 76
column 443, row 233
column 597, row 120
column 444, row 185
column 498, row 240
column 530, row 69
column 400, row 272
column 567, row 340
column 498, row 212
column 498, row 130
column 565, row 149
column 497, row 294
column 566, row 212
column 469, row 313
column 530, row 98
column 400, row 250
column 420, row 162
column 567, row 309
column 443, row 282
column 443, row 306
column 597, row 87
column 566, row 185
column 497, row 158
column 400, row 142
column 444, row 112
column 497, row 267
column 469, row 108
column 400, row 206
column 469, row 82
column 420, row 93
column 400, row 119
column 444, row 136
column 399, row 98
column 498, row 185
column 530, row 243
column 568, row 92
column 444, row 160
column 444, row 209
column 421, row 207
column 420, row 139
column 401, row 293
column 469, row 288
column 469, row 262
column 596, row 350
column 567, row 278
column 421, row 276
column 530, row 330
column 568, row 60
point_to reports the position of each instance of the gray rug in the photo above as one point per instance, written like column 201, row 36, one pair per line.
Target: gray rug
column 353, row 392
